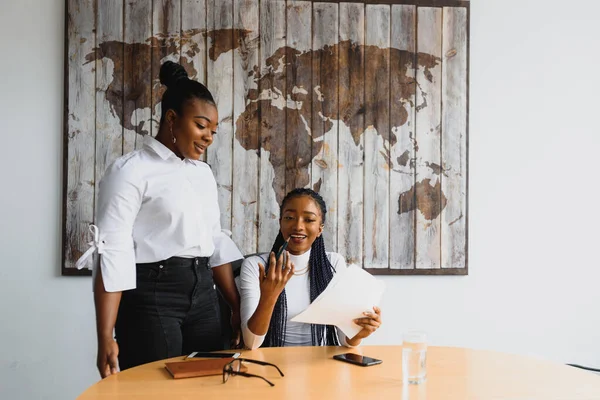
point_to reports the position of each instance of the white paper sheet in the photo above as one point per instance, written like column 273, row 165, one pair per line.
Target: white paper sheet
column 350, row 293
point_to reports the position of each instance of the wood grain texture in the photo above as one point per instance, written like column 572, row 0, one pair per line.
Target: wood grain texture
column 298, row 104
column 454, row 137
column 402, row 120
column 428, row 119
column 193, row 53
column 220, row 70
column 109, row 84
column 269, row 109
column 423, row 3
column 377, row 136
column 246, row 135
column 325, row 118
column 365, row 102
column 351, row 91
column 79, row 132
column 137, row 71
column 165, row 42
column 193, row 39
column 453, row 373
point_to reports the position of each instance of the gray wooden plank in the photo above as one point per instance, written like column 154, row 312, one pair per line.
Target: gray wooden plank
column 402, row 149
column 269, row 106
column 80, row 131
column 377, row 135
column 166, row 26
column 428, row 119
column 351, row 91
column 109, row 85
column 298, row 145
column 137, row 73
column 220, row 71
column 246, row 132
column 193, row 41
column 325, row 109
column 454, row 137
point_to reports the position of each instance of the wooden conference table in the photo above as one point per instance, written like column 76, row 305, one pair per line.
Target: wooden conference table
column 311, row 373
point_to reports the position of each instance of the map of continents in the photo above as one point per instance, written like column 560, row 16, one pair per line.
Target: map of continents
column 424, row 196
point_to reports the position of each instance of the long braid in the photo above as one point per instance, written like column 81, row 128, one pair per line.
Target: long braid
column 275, row 336
column 320, row 274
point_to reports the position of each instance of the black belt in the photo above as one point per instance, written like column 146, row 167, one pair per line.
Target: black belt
column 181, row 262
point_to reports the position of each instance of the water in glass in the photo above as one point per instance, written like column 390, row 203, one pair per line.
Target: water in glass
column 414, row 362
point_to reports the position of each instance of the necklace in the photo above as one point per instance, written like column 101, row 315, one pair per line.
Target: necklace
column 302, row 271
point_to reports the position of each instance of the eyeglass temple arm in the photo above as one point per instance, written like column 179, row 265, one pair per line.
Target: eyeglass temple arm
column 251, row 376
column 262, row 363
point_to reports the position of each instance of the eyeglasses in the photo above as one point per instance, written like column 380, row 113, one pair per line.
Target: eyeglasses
column 235, row 366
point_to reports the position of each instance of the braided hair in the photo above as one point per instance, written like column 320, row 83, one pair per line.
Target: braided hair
column 320, row 274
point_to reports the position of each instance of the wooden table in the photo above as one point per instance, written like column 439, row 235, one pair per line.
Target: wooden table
column 311, row 373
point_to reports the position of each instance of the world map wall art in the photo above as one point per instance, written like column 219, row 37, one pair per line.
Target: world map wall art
column 364, row 102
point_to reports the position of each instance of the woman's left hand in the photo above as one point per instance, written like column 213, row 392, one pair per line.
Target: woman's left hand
column 369, row 323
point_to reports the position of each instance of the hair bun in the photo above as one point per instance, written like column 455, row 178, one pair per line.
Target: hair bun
column 171, row 73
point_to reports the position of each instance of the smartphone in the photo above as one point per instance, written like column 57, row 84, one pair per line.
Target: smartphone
column 200, row 354
column 357, row 359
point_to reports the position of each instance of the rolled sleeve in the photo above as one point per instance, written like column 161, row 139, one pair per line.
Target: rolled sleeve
column 226, row 250
column 119, row 201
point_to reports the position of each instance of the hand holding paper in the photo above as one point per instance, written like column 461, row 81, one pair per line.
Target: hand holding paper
column 350, row 293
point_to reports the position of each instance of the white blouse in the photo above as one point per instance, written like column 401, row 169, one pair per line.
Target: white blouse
column 298, row 299
column 152, row 206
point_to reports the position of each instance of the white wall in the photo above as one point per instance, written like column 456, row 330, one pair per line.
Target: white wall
column 534, row 137
column 47, row 346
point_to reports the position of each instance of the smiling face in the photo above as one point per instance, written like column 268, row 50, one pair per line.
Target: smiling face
column 302, row 222
column 194, row 128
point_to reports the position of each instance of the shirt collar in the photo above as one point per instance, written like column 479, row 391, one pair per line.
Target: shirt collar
column 158, row 148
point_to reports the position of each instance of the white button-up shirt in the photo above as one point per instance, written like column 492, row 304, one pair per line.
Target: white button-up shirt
column 152, row 206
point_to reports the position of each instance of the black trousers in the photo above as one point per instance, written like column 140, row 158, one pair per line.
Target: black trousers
column 173, row 311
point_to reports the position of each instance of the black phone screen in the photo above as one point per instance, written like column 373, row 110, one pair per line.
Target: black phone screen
column 357, row 359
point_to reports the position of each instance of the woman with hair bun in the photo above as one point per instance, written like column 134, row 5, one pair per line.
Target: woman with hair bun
column 159, row 239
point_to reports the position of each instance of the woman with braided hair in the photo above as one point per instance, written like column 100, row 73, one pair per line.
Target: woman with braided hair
column 272, row 295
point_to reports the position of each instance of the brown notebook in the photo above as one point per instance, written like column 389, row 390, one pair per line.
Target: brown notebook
column 190, row 369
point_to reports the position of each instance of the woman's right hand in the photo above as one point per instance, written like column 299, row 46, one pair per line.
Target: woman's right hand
column 108, row 351
column 273, row 282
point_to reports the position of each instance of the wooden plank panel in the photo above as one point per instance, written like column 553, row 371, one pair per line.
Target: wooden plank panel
column 428, row 118
column 270, row 108
column 454, row 137
column 193, row 41
column 246, row 134
column 193, row 38
column 377, row 135
column 109, row 85
column 350, row 132
column 402, row 151
column 137, row 73
column 325, row 113
column 166, row 26
column 220, row 70
column 298, row 146
column 79, row 132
